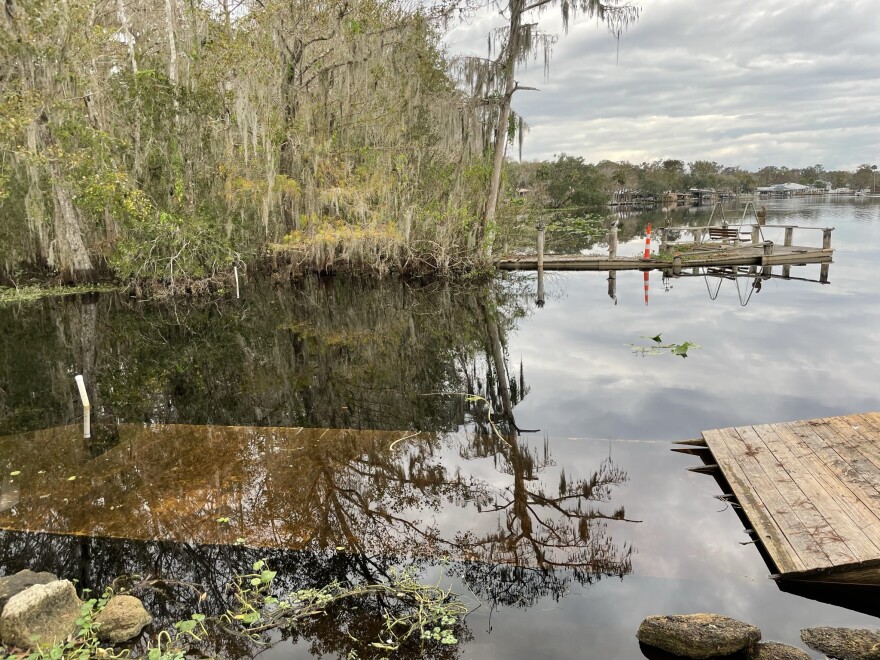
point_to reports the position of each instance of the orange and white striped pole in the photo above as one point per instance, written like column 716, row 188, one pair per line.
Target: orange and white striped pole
column 647, row 254
column 646, row 286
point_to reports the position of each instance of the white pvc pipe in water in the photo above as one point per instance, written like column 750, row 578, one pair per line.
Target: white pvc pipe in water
column 235, row 269
column 87, row 407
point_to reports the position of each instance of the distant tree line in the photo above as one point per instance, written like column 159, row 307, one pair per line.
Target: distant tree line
column 569, row 181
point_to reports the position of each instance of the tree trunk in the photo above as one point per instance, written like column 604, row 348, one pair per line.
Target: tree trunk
column 508, row 60
column 35, row 203
column 71, row 257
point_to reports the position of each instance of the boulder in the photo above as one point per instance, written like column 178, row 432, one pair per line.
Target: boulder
column 13, row 584
column 777, row 651
column 843, row 643
column 122, row 618
column 43, row 615
column 697, row 635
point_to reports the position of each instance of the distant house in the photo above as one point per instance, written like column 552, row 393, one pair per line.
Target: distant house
column 786, row 190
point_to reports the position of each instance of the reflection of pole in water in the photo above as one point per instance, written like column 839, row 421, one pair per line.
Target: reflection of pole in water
column 539, row 301
column 612, row 241
column 647, row 274
column 612, row 285
column 823, row 273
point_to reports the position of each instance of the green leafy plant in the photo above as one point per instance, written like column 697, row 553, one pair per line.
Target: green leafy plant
column 659, row 348
column 426, row 612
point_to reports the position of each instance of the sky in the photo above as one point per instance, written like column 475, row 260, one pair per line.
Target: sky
column 779, row 82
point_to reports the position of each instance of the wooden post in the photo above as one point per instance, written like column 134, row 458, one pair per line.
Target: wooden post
column 540, row 246
column 823, row 273
column 762, row 216
column 768, row 251
column 612, row 285
column 87, row 407
column 664, row 238
column 676, row 264
column 789, row 235
column 756, row 233
column 612, row 241
column 539, row 300
column 786, row 271
column 698, row 236
column 826, row 239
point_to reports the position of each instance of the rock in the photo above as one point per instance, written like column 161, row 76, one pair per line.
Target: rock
column 777, row 651
column 43, row 614
column 697, row 635
column 122, row 619
column 843, row 643
column 13, row 584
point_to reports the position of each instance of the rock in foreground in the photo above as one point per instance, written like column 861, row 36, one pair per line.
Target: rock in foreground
column 15, row 584
column 697, row 635
column 122, row 619
column 43, row 614
column 777, row 651
column 844, row 643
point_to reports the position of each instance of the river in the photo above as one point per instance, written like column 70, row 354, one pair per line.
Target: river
column 562, row 537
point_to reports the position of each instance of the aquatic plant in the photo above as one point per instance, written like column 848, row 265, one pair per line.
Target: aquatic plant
column 410, row 609
column 659, row 348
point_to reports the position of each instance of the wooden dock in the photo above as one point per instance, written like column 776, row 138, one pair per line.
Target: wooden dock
column 746, row 255
column 712, row 246
column 811, row 493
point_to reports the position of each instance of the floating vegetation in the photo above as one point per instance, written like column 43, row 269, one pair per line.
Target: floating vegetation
column 659, row 348
column 12, row 295
column 410, row 609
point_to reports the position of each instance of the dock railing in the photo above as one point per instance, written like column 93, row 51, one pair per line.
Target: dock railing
column 743, row 233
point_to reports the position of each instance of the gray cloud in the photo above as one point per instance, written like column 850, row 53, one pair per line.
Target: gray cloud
column 786, row 82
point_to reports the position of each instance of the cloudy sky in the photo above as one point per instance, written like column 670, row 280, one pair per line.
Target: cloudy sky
column 779, row 82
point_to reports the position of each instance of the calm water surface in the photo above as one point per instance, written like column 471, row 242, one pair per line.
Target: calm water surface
column 566, row 536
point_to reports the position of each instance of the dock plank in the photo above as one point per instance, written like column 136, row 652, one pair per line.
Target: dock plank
column 792, row 507
column 842, row 531
column 860, row 493
column 811, row 492
column 746, row 485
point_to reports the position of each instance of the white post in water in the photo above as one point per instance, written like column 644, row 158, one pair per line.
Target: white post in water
column 87, row 407
column 235, row 270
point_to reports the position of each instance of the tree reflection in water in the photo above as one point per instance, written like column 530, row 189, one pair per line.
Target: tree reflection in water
column 326, row 355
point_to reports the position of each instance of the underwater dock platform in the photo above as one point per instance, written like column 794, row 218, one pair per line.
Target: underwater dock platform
column 810, row 491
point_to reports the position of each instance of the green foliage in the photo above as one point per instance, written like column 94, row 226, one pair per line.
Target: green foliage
column 169, row 248
column 659, row 348
column 176, row 170
column 410, row 609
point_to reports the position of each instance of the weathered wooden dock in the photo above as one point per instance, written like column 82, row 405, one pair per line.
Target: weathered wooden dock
column 811, row 493
column 712, row 246
column 746, row 255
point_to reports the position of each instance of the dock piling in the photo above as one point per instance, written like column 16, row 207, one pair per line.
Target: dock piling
column 826, row 238
column 540, row 245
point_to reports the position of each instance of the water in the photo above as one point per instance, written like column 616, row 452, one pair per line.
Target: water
column 361, row 355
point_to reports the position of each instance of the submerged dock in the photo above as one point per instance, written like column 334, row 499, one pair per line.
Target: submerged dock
column 811, row 493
